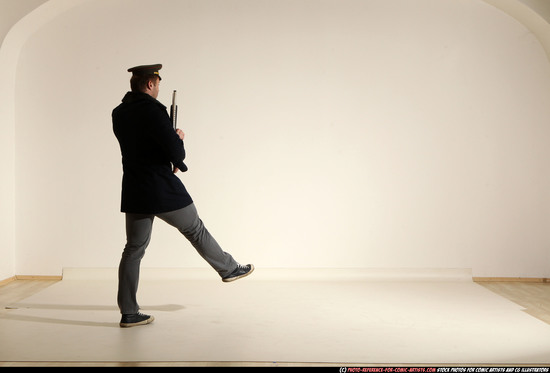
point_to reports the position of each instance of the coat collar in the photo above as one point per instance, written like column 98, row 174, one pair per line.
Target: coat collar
column 132, row 97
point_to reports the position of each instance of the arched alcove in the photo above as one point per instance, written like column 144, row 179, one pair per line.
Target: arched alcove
column 320, row 133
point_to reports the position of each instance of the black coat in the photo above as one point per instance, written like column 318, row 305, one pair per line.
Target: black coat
column 150, row 148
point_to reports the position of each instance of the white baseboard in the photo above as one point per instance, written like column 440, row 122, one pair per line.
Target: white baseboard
column 282, row 274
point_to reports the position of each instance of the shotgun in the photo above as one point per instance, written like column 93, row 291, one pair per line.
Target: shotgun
column 174, row 119
column 174, row 111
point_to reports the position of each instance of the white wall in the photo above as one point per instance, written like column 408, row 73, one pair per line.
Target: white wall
column 18, row 20
column 11, row 11
column 319, row 133
column 7, row 169
column 542, row 7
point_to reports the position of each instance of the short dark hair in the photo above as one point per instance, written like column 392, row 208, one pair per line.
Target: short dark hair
column 138, row 83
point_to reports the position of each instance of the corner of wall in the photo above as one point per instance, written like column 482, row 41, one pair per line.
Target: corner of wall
column 530, row 18
column 9, row 56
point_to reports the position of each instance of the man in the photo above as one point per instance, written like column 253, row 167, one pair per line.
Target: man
column 152, row 153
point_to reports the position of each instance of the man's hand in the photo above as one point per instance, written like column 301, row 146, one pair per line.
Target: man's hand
column 181, row 135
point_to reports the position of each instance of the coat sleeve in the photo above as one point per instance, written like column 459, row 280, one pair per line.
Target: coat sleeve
column 163, row 133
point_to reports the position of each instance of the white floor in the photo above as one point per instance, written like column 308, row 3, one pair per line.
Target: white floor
column 322, row 316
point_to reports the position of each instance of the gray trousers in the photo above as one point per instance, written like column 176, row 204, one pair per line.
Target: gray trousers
column 138, row 236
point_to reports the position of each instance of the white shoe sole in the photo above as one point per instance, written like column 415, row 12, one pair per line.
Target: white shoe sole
column 130, row 324
column 241, row 276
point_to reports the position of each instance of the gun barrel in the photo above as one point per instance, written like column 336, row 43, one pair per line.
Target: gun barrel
column 174, row 111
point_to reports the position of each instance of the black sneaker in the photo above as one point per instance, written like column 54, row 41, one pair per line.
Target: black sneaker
column 240, row 272
column 135, row 319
